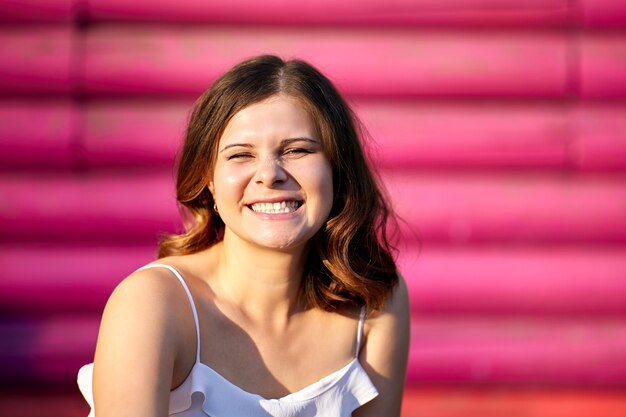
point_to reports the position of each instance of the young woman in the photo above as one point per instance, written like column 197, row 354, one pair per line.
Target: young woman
column 282, row 297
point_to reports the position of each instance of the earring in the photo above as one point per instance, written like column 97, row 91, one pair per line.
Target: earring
column 215, row 209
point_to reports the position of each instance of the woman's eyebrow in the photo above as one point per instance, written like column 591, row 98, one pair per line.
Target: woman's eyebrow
column 232, row 145
column 302, row 139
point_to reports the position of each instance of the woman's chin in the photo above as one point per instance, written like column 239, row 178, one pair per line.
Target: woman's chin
column 287, row 239
column 280, row 244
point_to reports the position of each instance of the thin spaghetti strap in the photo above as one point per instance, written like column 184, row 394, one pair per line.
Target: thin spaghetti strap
column 359, row 332
column 189, row 296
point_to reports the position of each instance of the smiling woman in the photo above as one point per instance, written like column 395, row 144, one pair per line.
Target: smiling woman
column 282, row 298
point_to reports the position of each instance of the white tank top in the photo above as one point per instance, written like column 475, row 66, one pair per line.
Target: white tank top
column 206, row 393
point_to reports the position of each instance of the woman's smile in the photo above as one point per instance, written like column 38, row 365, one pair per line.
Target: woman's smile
column 274, row 208
column 279, row 207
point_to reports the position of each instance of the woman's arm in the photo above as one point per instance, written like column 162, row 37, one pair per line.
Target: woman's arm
column 385, row 354
column 137, row 346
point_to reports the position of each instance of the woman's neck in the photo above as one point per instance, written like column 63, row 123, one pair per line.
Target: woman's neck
column 262, row 283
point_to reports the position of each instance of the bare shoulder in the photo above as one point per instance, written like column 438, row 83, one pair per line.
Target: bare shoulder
column 149, row 293
column 396, row 307
column 385, row 354
column 391, row 323
column 138, row 342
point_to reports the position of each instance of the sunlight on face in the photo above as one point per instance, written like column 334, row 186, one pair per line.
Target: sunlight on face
column 272, row 182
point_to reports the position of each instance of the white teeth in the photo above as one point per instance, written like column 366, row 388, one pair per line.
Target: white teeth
column 275, row 208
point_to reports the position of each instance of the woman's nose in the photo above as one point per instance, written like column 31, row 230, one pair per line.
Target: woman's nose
column 270, row 172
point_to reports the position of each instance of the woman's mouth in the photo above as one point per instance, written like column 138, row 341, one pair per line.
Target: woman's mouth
column 276, row 208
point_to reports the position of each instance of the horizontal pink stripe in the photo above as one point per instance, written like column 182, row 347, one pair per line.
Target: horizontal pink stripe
column 36, row 59
column 462, row 208
column 518, row 351
column 510, row 12
column 600, row 137
column 66, row 278
column 473, row 65
column 602, row 66
column 578, row 280
column 604, row 13
column 595, row 13
column 134, row 133
column 62, row 401
column 37, row 133
column 422, row 134
column 36, row 10
column 151, row 60
column 512, row 401
column 548, row 280
column 96, row 208
column 48, row 350
column 448, row 208
column 468, row 350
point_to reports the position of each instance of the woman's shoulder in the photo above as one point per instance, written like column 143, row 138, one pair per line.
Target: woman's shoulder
column 163, row 287
column 152, row 298
column 148, row 311
column 396, row 306
column 154, row 283
column 388, row 329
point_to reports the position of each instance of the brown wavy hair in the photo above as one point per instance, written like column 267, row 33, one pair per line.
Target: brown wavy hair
column 350, row 261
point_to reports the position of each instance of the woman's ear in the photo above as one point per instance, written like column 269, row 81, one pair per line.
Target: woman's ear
column 211, row 188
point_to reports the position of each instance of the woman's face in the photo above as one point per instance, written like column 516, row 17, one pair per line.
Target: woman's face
column 272, row 182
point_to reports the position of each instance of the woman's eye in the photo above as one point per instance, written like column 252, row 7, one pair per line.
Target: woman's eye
column 297, row 151
column 239, row 156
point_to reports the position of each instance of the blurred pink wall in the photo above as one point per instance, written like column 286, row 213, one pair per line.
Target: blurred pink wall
column 499, row 128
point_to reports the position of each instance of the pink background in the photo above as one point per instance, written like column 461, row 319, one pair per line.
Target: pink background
column 499, row 129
